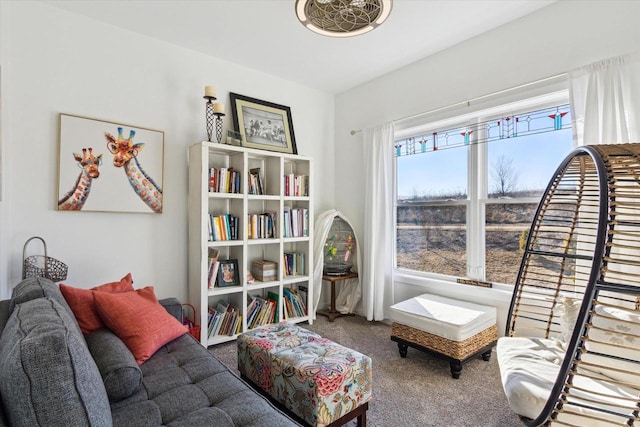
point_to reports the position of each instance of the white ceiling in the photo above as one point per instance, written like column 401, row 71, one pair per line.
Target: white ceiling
column 266, row 35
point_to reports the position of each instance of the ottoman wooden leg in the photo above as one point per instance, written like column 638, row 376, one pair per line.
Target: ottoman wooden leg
column 456, row 368
column 402, row 347
column 360, row 414
column 486, row 355
column 362, row 418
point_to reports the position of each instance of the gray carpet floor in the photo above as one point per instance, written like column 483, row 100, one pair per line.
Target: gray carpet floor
column 417, row 390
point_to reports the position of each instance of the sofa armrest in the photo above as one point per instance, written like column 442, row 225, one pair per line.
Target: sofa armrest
column 4, row 313
column 173, row 307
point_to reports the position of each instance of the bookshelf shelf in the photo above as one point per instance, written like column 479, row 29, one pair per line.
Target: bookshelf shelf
column 269, row 241
column 294, row 279
column 262, row 197
column 219, row 339
column 224, row 291
column 261, row 285
column 267, row 189
column 223, row 243
column 215, row 195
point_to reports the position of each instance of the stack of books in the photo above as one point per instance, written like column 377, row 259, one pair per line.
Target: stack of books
column 296, row 185
column 224, row 180
column 262, row 311
column 296, row 222
column 294, row 263
column 294, row 302
column 212, row 272
column 255, row 182
column 262, row 226
column 224, row 319
column 223, row 227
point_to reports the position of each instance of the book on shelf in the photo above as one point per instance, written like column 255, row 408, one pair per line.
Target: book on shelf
column 302, row 299
column 286, row 222
column 224, row 319
column 262, row 226
column 295, row 305
column 214, row 320
column 228, row 324
column 224, row 180
column 223, row 227
column 296, row 185
column 255, row 182
column 296, row 222
column 294, row 263
column 261, row 311
column 304, row 292
column 252, row 309
column 305, row 222
column 274, row 296
column 213, row 265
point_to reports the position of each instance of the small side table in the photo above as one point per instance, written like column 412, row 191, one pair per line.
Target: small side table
column 332, row 314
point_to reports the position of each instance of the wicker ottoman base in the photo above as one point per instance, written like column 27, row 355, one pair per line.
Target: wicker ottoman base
column 456, row 352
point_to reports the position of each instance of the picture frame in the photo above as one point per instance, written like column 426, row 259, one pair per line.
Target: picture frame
column 228, row 273
column 109, row 166
column 263, row 125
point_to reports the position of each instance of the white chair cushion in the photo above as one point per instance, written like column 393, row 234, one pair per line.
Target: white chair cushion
column 445, row 317
column 528, row 368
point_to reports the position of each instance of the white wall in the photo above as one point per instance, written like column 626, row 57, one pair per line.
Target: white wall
column 555, row 39
column 57, row 62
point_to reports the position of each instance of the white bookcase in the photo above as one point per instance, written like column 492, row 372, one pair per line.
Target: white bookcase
column 275, row 199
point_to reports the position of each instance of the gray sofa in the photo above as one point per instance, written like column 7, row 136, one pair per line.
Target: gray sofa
column 50, row 375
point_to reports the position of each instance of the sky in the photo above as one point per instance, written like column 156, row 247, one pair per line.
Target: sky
column 534, row 158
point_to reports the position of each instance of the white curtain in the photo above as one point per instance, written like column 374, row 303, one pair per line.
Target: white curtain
column 605, row 101
column 349, row 291
column 377, row 252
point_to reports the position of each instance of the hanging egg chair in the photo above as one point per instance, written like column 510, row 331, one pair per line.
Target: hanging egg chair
column 571, row 351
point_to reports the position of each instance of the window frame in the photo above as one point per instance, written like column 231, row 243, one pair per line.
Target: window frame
column 477, row 182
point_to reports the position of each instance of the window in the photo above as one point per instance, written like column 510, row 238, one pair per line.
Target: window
column 467, row 188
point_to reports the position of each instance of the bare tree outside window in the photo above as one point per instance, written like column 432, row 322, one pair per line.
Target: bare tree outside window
column 504, row 176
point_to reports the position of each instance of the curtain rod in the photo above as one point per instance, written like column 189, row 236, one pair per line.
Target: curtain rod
column 469, row 101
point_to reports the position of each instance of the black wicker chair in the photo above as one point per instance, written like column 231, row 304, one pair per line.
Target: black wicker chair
column 582, row 251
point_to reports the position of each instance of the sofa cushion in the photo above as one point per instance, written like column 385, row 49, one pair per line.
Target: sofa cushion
column 139, row 320
column 185, row 385
column 119, row 370
column 47, row 375
column 83, row 305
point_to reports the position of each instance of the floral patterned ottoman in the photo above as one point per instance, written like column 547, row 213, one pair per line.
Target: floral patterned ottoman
column 320, row 381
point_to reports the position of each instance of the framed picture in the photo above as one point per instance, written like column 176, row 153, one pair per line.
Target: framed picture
column 109, row 167
column 228, row 274
column 263, row 125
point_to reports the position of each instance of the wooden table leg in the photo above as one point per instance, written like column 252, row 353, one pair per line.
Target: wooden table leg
column 332, row 313
column 333, row 298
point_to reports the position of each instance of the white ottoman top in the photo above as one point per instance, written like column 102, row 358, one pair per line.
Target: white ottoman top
column 445, row 317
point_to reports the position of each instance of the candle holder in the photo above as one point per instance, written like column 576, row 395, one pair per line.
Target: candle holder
column 209, row 115
column 219, row 126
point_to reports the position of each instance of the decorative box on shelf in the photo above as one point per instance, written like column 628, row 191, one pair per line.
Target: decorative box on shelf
column 264, row 270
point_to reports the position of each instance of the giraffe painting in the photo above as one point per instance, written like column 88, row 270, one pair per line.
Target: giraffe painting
column 125, row 155
column 75, row 198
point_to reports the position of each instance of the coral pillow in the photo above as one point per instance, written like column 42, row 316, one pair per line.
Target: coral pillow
column 82, row 303
column 138, row 320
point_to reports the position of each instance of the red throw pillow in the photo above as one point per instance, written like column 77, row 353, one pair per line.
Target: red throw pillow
column 138, row 320
column 82, row 303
